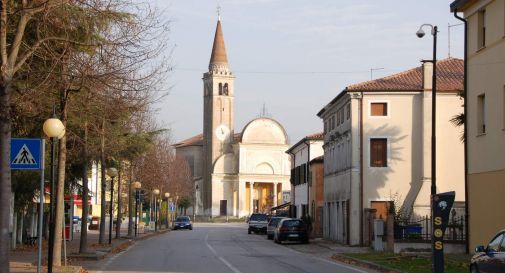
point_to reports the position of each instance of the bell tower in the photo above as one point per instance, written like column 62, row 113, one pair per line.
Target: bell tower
column 218, row 93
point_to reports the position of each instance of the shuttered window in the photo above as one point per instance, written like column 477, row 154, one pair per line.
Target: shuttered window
column 378, row 152
column 379, row 108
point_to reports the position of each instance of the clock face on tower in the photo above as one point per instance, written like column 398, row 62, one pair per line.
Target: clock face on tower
column 222, row 132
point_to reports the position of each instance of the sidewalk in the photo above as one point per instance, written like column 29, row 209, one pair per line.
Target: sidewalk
column 24, row 258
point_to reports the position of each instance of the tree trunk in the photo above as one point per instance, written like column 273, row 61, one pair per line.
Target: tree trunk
column 130, row 203
column 60, row 198
column 83, row 244
column 20, row 227
column 5, row 174
column 14, row 231
column 119, row 204
column 101, row 237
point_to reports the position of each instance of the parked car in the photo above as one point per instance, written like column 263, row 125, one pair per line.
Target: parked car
column 94, row 224
column 272, row 224
column 183, row 222
column 490, row 259
column 291, row 229
column 257, row 223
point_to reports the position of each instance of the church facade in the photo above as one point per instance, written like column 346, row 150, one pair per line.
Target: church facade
column 235, row 174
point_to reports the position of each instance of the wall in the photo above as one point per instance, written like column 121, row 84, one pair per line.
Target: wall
column 486, row 157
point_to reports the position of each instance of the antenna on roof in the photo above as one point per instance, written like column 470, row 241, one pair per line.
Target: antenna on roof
column 449, row 37
column 218, row 12
column 264, row 112
column 374, row 69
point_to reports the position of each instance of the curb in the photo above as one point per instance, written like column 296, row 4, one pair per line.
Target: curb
column 114, row 250
column 364, row 264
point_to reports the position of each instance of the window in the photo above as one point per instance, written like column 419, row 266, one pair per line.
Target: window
column 325, row 126
column 494, row 245
column 332, row 122
column 378, row 152
column 348, row 111
column 481, row 114
column 378, row 109
column 220, row 89
column 481, row 28
column 225, row 89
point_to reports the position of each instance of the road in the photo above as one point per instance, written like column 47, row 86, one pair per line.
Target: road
column 219, row 248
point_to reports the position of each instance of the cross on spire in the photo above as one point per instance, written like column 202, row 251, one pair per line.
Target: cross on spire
column 218, row 12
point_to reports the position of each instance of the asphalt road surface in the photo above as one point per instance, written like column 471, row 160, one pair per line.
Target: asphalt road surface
column 219, row 248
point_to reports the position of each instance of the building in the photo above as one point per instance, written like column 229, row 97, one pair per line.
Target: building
column 302, row 153
column 485, row 101
column 316, row 192
column 377, row 147
column 235, row 173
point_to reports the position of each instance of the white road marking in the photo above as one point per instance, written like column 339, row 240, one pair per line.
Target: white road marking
column 228, row 264
column 111, row 259
column 325, row 260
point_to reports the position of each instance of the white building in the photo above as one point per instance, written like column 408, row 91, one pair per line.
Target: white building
column 377, row 145
column 302, row 153
column 236, row 173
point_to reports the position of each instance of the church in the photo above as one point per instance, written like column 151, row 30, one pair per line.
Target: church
column 235, row 173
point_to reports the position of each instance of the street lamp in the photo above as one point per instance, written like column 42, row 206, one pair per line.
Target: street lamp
column 156, row 192
column 167, row 196
column 53, row 128
column 112, row 172
column 137, row 185
column 420, row 33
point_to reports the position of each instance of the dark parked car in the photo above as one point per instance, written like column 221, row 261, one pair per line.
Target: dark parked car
column 290, row 229
column 94, row 224
column 490, row 259
column 257, row 223
column 183, row 222
column 272, row 225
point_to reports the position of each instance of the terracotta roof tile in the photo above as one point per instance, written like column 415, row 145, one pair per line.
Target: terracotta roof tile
column 318, row 136
column 192, row 141
column 449, row 78
column 198, row 140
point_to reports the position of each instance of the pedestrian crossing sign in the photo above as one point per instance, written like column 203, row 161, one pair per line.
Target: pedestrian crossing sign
column 26, row 154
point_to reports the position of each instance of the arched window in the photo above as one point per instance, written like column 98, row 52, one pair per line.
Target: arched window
column 225, row 89
column 220, row 89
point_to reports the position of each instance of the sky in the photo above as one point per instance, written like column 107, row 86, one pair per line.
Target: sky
column 294, row 56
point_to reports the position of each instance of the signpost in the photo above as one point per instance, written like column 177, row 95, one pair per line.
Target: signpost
column 28, row 154
column 441, row 208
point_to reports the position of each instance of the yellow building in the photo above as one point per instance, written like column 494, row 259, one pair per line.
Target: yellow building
column 485, row 116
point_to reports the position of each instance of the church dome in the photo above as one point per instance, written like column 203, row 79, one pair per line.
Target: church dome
column 264, row 131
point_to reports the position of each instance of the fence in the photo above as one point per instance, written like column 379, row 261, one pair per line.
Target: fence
column 419, row 229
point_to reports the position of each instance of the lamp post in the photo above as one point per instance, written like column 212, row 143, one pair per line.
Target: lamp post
column 53, row 128
column 137, row 185
column 420, row 33
column 156, row 192
column 167, row 196
column 112, row 172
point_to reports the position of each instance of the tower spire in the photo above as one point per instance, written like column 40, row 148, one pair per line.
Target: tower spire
column 218, row 58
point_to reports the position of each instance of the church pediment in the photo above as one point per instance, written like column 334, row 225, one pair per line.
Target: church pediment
column 264, row 131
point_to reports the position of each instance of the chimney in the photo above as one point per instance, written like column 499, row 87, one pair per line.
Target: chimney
column 427, row 74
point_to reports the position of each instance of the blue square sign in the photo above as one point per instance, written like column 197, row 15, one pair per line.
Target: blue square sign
column 26, row 154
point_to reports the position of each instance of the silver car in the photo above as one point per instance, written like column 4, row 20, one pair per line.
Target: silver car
column 257, row 223
column 272, row 224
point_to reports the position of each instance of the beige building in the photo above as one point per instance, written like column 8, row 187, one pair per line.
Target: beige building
column 235, row 173
column 377, row 147
column 485, row 117
column 302, row 153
